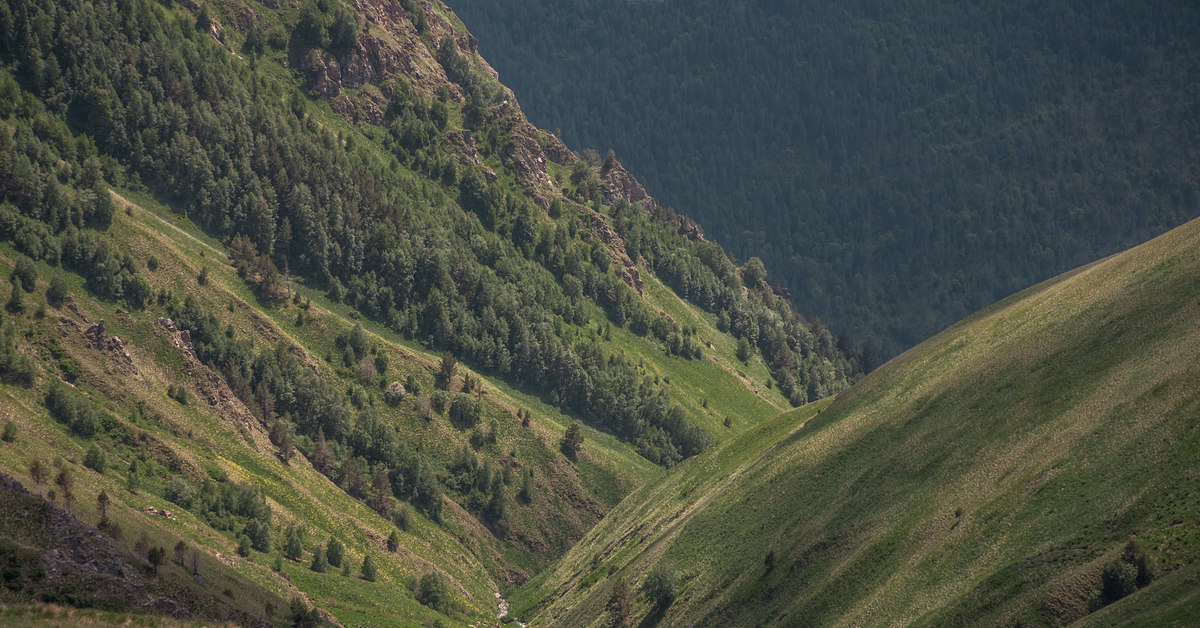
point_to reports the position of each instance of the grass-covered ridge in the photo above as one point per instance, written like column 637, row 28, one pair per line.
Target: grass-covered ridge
column 990, row 475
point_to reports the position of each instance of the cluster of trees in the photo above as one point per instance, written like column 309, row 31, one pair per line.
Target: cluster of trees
column 321, row 24
column 238, row 508
column 1133, row 570
column 15, row 367
column 257, row 269
column 483, row 484
column 898, row 165
column 73, row 409
column 53, row 199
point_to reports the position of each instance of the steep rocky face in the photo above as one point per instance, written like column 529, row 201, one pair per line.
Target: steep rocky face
column 554, row 148
column 390, row 45
column 616, row 183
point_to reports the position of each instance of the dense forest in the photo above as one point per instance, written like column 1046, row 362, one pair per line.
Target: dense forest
column 896, row 165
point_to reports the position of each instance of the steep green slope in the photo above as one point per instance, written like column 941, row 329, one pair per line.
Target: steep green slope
column 897, row 165
column 303, row 273
column 988, row 476
column 160, row 452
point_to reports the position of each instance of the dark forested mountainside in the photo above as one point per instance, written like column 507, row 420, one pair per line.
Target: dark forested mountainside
column 896, row 165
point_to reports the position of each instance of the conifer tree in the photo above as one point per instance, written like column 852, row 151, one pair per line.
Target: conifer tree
column 319, row 563
column 334, row 551
column 368, row 569
column 66, row 484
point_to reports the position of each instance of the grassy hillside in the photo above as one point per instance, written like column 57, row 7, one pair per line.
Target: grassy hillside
column 213, row 437
column 989, row 476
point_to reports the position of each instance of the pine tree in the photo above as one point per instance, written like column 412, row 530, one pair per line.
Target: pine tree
column 526, row 494
column 334, row 551
column 16, row 301
column 319, row 563
column 37, row 471
column 293, row 549
column 322, row 455
column 368, row 569
column 102, row 502
column 743, row 349
column 572, row 440
column 381, row 490
column 446, row 372
column 156, row 556
column 66, row 483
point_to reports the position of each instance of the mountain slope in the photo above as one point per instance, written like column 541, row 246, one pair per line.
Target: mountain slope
column 987, row 476
column 897, row 165
column 305, row 277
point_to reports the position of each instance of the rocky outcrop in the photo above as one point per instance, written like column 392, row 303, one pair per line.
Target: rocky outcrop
column 100, row 340
column 76, row 557
column 323, row 72
column 462, row 143
column 524, row 155
column 212, row 388
column 554, row 148
column 615, row 245
column 617, row 184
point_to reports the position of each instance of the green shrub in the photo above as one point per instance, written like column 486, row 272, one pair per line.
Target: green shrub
column 662, row 585
column 73, row 409
column 368, row 569
column 402, row 517
column 320, row 564
column 433, row 592
column 95, row 459
column 25, row 273
column 15, row 367
column 464, row 411
column 1135, row 555
column 1118, row 579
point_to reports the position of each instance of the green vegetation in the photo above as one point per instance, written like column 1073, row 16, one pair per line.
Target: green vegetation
column 896, row 165
column 397, row 249
column 1031, row 465
column 269, row 321
column 282, row 342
